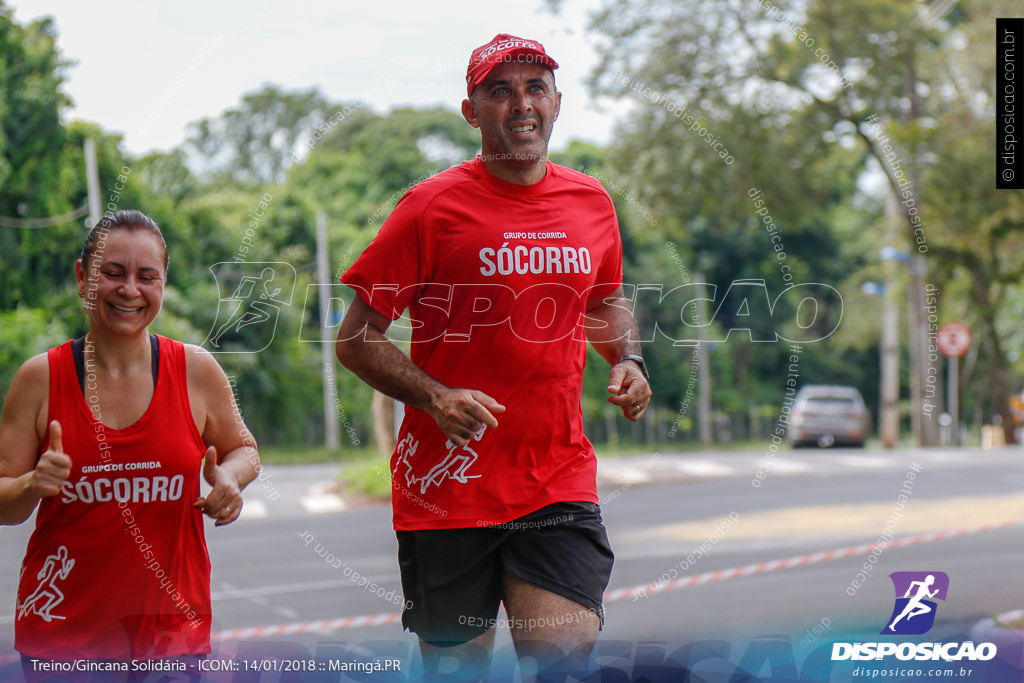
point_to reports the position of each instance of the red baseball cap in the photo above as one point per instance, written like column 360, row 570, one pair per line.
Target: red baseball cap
column 504, row 48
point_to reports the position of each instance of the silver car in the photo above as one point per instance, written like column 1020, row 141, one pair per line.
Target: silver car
column 826, row 415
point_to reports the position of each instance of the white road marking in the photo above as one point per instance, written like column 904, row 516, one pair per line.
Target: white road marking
column 253, row 509
column 322, row 504
column 704, row 468
column 624, row 474
column 322, row 499
column 865, row 461
column 949, row 456
column 781, row 466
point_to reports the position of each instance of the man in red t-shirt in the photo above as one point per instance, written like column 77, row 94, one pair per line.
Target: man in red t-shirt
column 508, row 265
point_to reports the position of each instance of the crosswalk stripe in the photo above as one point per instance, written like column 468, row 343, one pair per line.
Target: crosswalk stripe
column 781, row 466
column 705, row 468
column 322, row 504
column 254, row 509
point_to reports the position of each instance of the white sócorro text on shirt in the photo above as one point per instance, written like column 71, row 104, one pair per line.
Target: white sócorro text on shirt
column 536, row 260
column 136, row 489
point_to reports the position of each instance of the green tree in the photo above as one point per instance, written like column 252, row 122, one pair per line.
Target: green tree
column 24, row 332
column 355, row 175
column 791, row 90
column 254, row 142
column 975, row 232
column 31, row 146
column 31, row 101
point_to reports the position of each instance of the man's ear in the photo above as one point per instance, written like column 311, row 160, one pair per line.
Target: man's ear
column 469, row 113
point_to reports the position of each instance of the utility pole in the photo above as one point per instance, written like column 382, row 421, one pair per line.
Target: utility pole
column 889, row 416
column 703, row 373
column 926, row 425
column 331, row 427
column 927, row 410
column 92, row 179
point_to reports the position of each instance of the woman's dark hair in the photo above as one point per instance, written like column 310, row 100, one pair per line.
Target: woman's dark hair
column 124, row 219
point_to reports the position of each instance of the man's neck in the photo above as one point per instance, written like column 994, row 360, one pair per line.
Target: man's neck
column 517, row 175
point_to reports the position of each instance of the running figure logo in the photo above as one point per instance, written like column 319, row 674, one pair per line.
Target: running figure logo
column 453, row 466
column 914, row 612
column 251, row 301
column 46, row 596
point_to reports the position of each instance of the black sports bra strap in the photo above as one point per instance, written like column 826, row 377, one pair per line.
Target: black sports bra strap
column 78, row 353
column 154, row 344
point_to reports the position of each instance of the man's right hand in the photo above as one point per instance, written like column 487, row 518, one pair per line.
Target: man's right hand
column 53, row 468
column 460, row 413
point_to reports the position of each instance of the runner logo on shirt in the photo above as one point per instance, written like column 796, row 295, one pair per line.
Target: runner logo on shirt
column 453, row 466
column 47, row 595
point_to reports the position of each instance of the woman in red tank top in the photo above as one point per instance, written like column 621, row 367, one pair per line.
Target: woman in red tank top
column 108, row 436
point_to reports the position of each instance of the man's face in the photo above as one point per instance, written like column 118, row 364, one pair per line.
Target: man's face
column 515, row 109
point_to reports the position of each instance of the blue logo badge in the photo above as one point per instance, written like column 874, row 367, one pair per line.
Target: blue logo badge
column 916, row 592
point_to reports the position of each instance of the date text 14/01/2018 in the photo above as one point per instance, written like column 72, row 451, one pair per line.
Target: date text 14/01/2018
column 320, row 665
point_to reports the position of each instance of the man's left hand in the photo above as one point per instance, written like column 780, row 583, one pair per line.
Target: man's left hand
column 629, row 389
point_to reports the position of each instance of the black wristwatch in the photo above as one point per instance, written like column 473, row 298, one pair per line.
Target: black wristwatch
column 639, row 361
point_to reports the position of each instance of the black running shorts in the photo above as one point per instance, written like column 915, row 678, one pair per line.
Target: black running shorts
column 452, row 578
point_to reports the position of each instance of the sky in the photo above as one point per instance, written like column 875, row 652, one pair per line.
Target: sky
column 147, row 68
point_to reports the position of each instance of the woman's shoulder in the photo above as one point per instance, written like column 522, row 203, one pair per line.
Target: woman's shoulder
column 31, row 384
column 35, row 371
column 197, row 354
column 193, row 354
column 200, row 364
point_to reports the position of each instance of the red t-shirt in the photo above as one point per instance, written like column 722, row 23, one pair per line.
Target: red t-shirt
column 496, row 278
column 117, row 566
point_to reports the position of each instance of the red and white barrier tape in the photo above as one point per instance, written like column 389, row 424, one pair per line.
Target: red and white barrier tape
column 798, row 561
column 331, row 625
column 622, row 593
column 323, row 626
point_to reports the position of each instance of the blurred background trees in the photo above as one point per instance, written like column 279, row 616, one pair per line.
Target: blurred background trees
column 725, row 75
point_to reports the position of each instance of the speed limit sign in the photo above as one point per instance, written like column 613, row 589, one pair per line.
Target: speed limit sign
column 954, row 339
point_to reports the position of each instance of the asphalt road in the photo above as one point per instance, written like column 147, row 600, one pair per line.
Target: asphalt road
column 659, row 509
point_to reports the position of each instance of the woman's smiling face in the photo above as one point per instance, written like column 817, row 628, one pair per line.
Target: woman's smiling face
column 122, row 285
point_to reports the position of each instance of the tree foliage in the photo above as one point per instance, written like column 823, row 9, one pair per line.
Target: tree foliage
column 793, row 91
column 254, row 142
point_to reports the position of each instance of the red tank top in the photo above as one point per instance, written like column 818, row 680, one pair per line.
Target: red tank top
column 117, row 566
